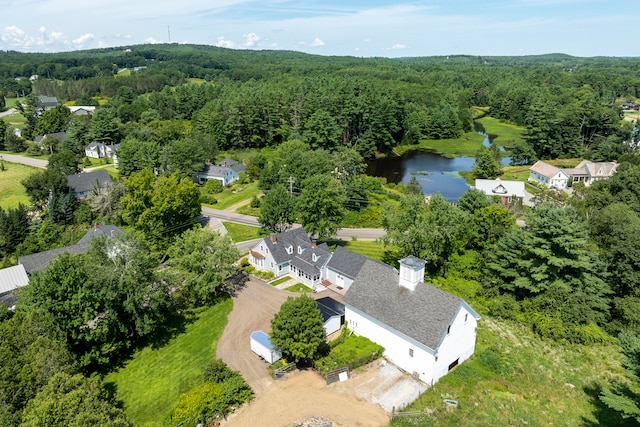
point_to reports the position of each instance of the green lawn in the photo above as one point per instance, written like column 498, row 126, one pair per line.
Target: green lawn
column 515, row 173
column 280, row 280
column 151, row 382
column 242, row 233
column 299, row 287
column 506, row 134
column 236, row 194
column 11, row 191
column 369, row 248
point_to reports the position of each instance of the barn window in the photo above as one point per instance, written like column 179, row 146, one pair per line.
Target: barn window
column 448, row 329
column 466, row 317
column 410, row 352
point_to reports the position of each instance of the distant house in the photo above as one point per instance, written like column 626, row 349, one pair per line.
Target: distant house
column 294, row 253
column 506, row 190
column 424, row 330
column 41, row 260
column 82, row 183
column 60, row 136
column 47, row 102
column 588, row 172
column 226, row 171
column 332, row 314
column 97, row 150
column 548, row 175
column 342, row 268
column 82, row 110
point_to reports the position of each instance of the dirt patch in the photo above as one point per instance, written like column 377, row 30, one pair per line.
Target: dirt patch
column 304, row 394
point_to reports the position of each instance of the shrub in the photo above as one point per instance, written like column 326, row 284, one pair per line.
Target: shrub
column 208, row 199
column 213, row 186
column 200, row 405
column 244, row 263
column 255, row 202
column 217, row 371
column 350, row 350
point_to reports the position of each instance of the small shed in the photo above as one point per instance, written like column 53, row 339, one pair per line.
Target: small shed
column 332, row 314
column 262, row 346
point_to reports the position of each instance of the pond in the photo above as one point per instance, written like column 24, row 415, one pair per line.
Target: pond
column 436, row 174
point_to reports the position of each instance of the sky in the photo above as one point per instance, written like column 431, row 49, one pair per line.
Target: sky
column 372, row 28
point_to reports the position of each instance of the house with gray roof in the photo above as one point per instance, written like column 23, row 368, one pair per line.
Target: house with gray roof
column 225, row 171
column 46, row 103
column 424, row 330
column 41, row 260
column 342, row 268
column 60, row 136
column 12, row 278
column 293, row 253
column 82, row 183
column 589, row 172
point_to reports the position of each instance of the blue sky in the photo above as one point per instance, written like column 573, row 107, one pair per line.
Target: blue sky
column 354, row 27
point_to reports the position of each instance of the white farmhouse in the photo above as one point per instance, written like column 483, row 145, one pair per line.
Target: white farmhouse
column 424, row 330
column 548, row 175
column 292, row 252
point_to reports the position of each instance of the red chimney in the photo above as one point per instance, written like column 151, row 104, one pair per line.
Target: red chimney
column 273, row 238
column 313, row 243
column 95, row 226
column 113, row 233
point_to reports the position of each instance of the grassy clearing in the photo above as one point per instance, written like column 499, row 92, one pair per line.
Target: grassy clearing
column 505, row 134
column 248, row 210
column 242, row 233
column 299, row 287
column 515, row 173
column 11, row 191
column 516, row 378
column 369, row 248
column 235, row 194
column 635, row 115
column 465, row 146
column 151, row 382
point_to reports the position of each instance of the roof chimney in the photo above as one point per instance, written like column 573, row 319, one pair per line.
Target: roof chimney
column 314, row 242
column 113, row 233
column 95, row 227
column 273, row 238
column 411, row 272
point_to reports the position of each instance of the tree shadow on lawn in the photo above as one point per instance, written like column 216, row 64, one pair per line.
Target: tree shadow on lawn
column 604, row 415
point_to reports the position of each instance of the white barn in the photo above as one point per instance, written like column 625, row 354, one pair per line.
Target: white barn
column 548, row 175
column 424, row 330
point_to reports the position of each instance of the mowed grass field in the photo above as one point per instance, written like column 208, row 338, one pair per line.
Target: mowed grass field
column 11, row 191
column 151, row 382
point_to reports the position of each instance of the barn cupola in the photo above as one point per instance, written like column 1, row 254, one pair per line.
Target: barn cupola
column 411, row 272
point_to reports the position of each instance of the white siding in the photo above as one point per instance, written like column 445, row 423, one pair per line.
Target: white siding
column 332, row 325
column 430, row 365
column 338, row 279
column 396, row 346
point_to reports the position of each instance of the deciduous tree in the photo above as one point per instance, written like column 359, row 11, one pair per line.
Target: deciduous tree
column 297, row 329
column 277, row 210
column 320, row 205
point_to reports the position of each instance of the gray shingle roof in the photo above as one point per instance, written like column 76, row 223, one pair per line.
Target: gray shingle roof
column 86, row 181
column 346, row 262
column 424, row 314
column 60, row 136
column 305, row 261
column 296, row 237
column 107, row 230
column 41, row 260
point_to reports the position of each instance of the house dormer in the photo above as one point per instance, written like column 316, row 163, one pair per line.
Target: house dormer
column 290, row 249
column 411, row 272
column 300, row 250
column 314, row 257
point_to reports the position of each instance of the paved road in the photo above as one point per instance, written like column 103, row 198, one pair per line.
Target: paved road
column 9, row 112
column 39, row 163
column 344, row 233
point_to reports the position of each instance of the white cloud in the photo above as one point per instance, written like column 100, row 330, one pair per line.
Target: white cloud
column 42, row 29
column 151, row 40
column 317, row 42
column 80, row 41
column 399, row 46
column 222, row 42
column 251, row 39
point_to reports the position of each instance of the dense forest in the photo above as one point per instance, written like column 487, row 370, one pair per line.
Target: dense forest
column 570, row 274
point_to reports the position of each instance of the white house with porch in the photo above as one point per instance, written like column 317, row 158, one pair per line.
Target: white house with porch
column 424, row 330
column 548, row 175
column 293, row 253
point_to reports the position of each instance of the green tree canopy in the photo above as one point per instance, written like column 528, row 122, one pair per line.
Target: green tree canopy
column 297, row 329
column 277, row 210
column 205, row 260
column 319, row 206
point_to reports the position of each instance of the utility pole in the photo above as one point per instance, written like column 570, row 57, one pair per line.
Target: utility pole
column 291, row 180
column 169, row 32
